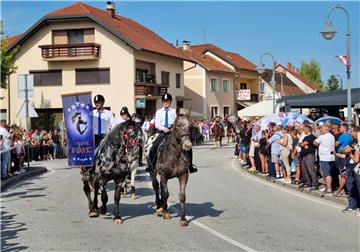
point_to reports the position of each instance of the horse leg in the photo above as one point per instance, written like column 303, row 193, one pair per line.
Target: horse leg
column 87, row 190
column 164, row 197
column 104, row 199
column 117, row 196
column 132, row 182
column 96, row 193
column 182, row 197
column 158, row 201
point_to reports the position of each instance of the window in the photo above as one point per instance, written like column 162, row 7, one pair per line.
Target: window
column 262, row 88
column 226, row 110
column 178, row 78
column 226, row 86
column 141, row 75
column 214, row 85
column 165, row 78
column 243, row 86
column 75, row 36
column 214, row 111
column 92, row 75
column 47, row 77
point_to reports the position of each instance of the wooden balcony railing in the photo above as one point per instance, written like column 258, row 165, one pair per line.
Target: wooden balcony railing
column 150, row 89
column 83, row 51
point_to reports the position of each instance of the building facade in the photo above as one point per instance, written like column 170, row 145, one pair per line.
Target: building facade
column 81, row 48
column 214, row 83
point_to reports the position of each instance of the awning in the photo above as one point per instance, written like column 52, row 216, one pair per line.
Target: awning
column 262, row 108
column 322, row 99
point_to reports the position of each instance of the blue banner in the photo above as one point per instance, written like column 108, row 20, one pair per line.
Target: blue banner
column 78, row 116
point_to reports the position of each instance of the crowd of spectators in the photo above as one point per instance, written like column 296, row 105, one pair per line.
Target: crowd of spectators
column 305, row 155
column 42, row 144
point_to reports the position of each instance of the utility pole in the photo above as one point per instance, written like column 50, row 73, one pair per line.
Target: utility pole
column 27, row 122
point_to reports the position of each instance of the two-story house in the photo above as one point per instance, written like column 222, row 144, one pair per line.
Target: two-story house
column 213, row 83
column 82, row 48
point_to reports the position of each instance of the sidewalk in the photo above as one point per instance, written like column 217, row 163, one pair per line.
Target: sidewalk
column 340, row 200
column 29, row 172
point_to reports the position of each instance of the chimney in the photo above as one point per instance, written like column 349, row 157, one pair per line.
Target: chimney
column 110, row 8
column 177, row 43
column 186, row 45
column 291, row 67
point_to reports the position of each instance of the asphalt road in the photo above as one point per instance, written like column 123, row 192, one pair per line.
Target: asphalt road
column 228, row 209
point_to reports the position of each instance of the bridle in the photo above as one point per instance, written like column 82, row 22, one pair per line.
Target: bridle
column 129, row 143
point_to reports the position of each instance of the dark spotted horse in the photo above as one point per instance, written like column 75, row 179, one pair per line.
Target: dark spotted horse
column 172, row 162
column 113, row 158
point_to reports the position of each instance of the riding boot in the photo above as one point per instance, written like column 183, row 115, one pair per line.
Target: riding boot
column 192, row 167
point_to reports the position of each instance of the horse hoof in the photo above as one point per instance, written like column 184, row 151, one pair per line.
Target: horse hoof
column 166, row 216
column 133, row 196
column 159, row 212
column 93, row 214
column 117, row 221
column 183, row 223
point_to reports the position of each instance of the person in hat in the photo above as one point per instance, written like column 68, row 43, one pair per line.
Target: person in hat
column 124, row 115
column 103, row 119
column 164, row 120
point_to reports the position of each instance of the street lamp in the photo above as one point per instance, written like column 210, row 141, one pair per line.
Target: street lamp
column 261, row 69
column 328, row 33
column 338, row 76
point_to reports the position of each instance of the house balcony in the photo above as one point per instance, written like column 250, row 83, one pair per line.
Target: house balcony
column 68, row 52
column 150, row 89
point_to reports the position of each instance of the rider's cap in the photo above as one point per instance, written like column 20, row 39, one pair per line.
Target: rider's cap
column 99, row 98
column 124, row 110
column 166, row 97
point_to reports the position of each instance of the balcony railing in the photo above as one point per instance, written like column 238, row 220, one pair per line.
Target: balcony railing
column 85, row 51
column 150, row 89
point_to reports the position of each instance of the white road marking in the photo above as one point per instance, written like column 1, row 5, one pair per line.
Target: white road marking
column 298, row 194
column 208, row 229
column 221, row 236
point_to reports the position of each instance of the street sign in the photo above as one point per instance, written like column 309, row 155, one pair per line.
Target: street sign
column 243, row 95
column 26, row 81
column 140, row 103
column 22, row 111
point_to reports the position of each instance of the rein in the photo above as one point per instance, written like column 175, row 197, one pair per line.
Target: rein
column 129, row 142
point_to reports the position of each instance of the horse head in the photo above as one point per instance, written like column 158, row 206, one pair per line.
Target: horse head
column 133, row 139
column 182, row 129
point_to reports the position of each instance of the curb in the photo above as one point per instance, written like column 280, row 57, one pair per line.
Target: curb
column 31, row 172
column 316, row 193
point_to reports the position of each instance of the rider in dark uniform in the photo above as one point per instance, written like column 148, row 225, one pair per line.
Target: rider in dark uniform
column 164, row 120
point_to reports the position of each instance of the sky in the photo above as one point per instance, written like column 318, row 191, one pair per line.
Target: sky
column 288, row 30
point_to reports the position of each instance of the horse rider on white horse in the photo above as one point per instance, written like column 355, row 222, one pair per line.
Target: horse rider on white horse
column 164, row 120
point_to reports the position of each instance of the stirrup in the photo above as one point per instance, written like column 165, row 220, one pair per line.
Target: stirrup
column 193, row 169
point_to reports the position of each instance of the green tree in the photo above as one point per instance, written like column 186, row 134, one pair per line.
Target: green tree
column 7, row 58
column 332, row 84
column 312, row 72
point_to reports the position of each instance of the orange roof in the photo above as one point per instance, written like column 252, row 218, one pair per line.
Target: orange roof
column 12, row 39
column 131, row 32
column 310, row 84
column 289, row 88
column 207, row 62
column 230, row 57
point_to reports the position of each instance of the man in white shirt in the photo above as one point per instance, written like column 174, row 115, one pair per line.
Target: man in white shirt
column 326, row 143
column 103, row 119
column 5, row 148
column 164, row 120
